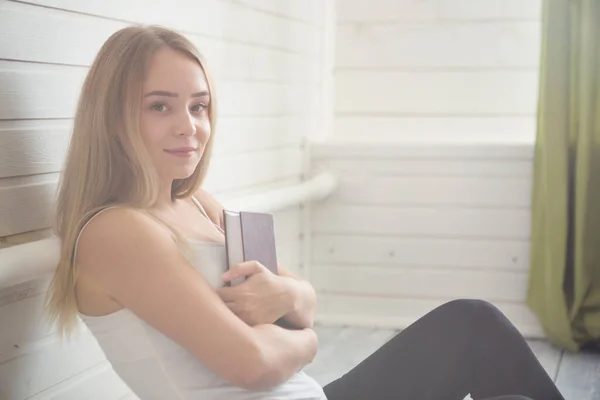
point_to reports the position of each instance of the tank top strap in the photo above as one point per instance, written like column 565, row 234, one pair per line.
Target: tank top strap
column 203, row 211
column 85, row 225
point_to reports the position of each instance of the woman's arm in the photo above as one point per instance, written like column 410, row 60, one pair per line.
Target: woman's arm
column 302, row 297
column 303, row 300
column 135, row 261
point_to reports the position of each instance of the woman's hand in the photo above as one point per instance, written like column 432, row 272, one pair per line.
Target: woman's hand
column 262, row 298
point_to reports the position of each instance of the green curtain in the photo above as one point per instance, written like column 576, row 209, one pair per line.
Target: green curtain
column 564, row 283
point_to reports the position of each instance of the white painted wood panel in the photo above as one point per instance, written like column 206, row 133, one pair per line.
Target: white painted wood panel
column 398, row 313
column 439, row 10
column 211, row 18
column 96, row 383
column 420, row 282
column 26, row 315
column 25, row 34
column 249, row 169
column 440, row 93
column 439, row 46
column 476, row 129
column 488, row 223
column 36, row 368
column 287, row 225
column 450, row 149
column 26, row 203
column 423, row 167
column 83, row 35
column 33, row 91
column 243, row 134
column 418, row 191
column 420, row 252
column 308, row 11
column 27, row 147
column 249, row 25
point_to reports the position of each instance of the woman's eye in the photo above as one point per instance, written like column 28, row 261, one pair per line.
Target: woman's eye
column 160, row 107
column 199, row 107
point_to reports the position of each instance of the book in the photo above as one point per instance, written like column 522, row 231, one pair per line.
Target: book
column 249, row 236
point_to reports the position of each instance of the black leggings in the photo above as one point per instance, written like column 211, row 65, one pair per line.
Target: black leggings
column 462, row 347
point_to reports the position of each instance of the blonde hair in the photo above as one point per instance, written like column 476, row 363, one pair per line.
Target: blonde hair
column 107, row 162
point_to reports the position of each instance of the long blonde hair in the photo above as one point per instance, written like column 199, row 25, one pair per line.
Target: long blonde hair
column 107, row 162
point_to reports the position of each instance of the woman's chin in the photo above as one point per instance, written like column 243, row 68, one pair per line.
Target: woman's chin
column 183, row 173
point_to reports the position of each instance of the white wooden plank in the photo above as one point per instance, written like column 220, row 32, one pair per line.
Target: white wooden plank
column 238, row 61
column 433, row 191
column 482, row 223
column 288, row 255
column 97, row 383
column 434, row 129
column 24, row 34
column 431, row 167
column 211, row 18
column 202, row 17
column 579, row 376
column 39, row 91
column 441, row 10
column 444, row 149
column 22, row 324
column 24, row 38
column 36, row 370
column 308, row 11
column 48, row 91
column 27, row 148
column 436, row 93
column 249, row 169
column 249, row 25
column 266, row 98
column 26, row 204
column 435, row 45
column 398, row 313
column 490, row 285
column 236, row 194
column 420, row 252
column 242, row 134
column 287, row 225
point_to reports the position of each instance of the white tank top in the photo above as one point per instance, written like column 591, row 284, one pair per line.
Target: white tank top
column 155, row 367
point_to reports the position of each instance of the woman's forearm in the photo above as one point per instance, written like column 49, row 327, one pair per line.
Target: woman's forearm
column 303, row 302
column 282, row 352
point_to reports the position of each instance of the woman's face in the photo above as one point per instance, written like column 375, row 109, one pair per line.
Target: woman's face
column 174, row 119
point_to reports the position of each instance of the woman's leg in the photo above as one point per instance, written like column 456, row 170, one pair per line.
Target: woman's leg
column 462, row 347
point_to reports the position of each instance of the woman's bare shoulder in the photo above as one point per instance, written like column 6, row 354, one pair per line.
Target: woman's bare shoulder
column 123, row 230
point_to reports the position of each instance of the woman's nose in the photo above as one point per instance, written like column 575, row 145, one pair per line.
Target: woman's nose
column 186, row 125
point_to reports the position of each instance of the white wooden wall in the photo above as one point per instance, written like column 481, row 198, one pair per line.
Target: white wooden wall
column 435, row 105
column 267, row 57
column 436, row 67
column 414, row 225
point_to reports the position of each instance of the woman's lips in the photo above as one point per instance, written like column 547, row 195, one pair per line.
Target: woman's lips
column 183, row 152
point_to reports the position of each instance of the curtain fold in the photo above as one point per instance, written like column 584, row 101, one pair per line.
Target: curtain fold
column 564, row 279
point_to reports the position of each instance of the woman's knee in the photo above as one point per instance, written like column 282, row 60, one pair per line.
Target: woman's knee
column 474, row 310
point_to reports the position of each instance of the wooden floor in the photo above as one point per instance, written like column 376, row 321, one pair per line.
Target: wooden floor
column 341, row 348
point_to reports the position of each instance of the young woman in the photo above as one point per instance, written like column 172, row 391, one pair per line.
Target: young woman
column 143, row 262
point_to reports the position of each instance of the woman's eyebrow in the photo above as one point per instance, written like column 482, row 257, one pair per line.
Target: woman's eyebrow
column 171, row 94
